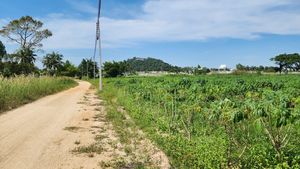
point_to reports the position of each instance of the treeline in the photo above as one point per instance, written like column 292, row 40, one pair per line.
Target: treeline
column 285, row 62
column 29, row 34
column 241, row 67
column 23, row 63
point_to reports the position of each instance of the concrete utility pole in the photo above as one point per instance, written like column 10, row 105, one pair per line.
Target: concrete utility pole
column 98, row 38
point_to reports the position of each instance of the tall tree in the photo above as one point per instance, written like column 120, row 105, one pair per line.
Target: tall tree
column 53, row 63
column 26, row 31
column 287, row 61
column 29, row 34
column 280, row 60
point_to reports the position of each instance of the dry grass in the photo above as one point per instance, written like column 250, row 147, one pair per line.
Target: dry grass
column 21, row 90
column 93, row 148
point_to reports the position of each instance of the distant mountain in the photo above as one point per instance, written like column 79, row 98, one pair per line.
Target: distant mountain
column 149, row 64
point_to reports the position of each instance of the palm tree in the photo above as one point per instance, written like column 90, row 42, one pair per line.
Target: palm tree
column 53, row 62
column 26, row 56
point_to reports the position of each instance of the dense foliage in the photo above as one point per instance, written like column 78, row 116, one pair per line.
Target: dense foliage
column 217, row 121
column 115, row 69
column 20, row 90
column 53, row 62
column 21, row 62
column 69, row 69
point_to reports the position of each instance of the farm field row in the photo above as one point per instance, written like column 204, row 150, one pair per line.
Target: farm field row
column 218, row 121
column 21, row 90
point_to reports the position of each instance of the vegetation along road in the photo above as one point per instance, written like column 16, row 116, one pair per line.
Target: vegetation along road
column 217, row 121
column 68, row 130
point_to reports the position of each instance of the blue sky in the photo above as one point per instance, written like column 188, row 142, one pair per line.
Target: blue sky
column 181, row 32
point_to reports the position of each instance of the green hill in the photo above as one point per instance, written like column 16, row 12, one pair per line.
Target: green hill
column 149, row 64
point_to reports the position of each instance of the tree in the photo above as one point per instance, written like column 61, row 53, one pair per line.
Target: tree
column 53, row 63
column 115, row 69
column 240, row 67
column 69, row 69
column 21, row 62
column 26, row 31
column 287, row 61
column 25, row 56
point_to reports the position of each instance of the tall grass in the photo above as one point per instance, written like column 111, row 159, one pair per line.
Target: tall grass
column 21, row 90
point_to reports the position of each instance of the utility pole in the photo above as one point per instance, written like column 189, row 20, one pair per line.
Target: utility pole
column 98, row 38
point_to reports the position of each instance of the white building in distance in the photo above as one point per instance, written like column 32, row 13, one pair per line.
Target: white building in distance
column 223, row 67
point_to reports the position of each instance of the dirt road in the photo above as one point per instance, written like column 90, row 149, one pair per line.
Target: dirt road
column 65, row 130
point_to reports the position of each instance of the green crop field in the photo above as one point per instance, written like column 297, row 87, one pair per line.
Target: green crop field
column 218, row 121
column 21, row 90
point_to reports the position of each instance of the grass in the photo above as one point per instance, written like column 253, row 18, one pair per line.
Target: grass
column 21, row 90
column 93, row 148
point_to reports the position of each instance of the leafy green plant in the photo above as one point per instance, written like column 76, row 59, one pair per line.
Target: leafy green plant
column 219, row 121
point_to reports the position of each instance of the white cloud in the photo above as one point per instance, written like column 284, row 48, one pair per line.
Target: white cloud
column 179, row 20
column 69, row 33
